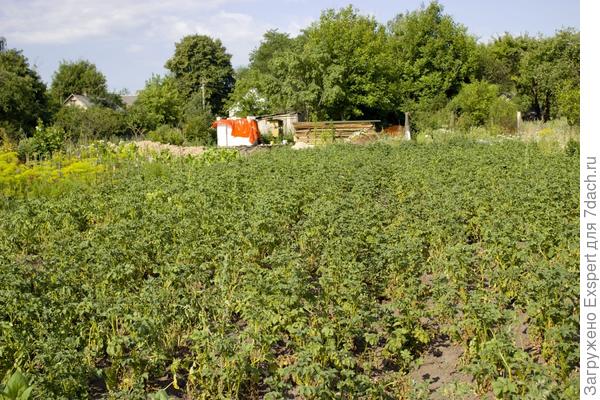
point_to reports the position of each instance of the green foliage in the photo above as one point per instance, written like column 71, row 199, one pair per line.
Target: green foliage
column 159, row 103
column 500, row 60
column 201, row 61
column 473, row 103
column 548, row 68
column 255, row 91
column 197, row 123
column 338, row 68
column 77, row 77
column 52, row 174
column 295, row 273
column 168, row 135
column 45, row 142
column 91, row 124
column 572, row 148
column 434, row 57
column 16, row 387
column 197, row 130
column 568, row 103
column 22, row 95
column 503, row 114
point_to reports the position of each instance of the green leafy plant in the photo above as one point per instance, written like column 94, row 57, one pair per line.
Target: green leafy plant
column 16, row 387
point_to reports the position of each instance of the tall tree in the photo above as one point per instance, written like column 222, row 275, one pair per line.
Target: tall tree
column 499, row 61
column 159, row 103
column 434, row 55
column 273, row 43
column 338, row 68
column 202, row 65
column 548, row 69
column 78, row 77
column 257, row 84
column 22, row 93
column 350, row 64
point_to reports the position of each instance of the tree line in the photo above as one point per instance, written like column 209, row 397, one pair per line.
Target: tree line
column 344, row 66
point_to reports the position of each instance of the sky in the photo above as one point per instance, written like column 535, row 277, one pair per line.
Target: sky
column 129, row 40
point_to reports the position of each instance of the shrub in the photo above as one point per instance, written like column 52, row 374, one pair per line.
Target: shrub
column 503, row 114
column 6, row 141
column 266, row 138
column 45, row 141
column 429, row 114
column 568, row 105
column 197, row 129
column 168, row 135
column 473, row 103
column 572, row 148
column 93, row 123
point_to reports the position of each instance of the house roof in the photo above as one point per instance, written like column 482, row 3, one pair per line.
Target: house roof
column 129, row 99
column 81, row 98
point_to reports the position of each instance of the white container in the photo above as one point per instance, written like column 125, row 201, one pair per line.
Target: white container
column 226, row 139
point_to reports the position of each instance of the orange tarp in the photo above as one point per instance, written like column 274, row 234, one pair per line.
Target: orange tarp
column 241, row 128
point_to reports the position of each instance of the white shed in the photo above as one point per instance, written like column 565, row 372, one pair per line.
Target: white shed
column 232, row 132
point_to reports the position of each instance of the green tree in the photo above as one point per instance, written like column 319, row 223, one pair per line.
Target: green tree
column 550, row 67
column 352, row 61
column 202, row 65
column 499, row 61
column 247, row 97
column 434, row 56
column 22, row 94
column 159, row 103
column 257, row 87
column 78, row 77
column 273, row 43
column 339, row 68
column 472, row 104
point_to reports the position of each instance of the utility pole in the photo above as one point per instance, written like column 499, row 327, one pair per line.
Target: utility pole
column 202, row 87
column 407, row 126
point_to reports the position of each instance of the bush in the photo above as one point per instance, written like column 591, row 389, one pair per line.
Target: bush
column 473, row 103
column 6, row 141
column 568, row 105
column 197, row 129
column 429, row 114
column 478, row 104
column 91, row 124
column 45, row 142
column 572, row 148
column 168, row 135
column 503, row 114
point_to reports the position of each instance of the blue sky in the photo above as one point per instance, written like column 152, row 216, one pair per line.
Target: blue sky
column 129, row 40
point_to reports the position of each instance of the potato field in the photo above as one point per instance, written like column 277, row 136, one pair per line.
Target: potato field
column 329, row 273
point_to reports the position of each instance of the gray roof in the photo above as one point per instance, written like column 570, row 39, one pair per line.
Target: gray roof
column 83, row 99
column 129, row 99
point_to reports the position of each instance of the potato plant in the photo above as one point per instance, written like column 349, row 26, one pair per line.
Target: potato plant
column 314, row 274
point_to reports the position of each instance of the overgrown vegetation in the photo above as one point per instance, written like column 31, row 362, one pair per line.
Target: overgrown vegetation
column 327, row 278
column 344, row 66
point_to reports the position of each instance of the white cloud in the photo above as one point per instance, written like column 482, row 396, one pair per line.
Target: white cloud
column 69, row 21
column 138, row 25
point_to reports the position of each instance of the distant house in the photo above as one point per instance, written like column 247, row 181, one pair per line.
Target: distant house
column 78, row 100
column 128, row 100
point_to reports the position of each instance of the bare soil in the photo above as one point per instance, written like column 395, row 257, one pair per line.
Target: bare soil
column 147, row 146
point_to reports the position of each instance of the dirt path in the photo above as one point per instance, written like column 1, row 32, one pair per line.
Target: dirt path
column 147, row 145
